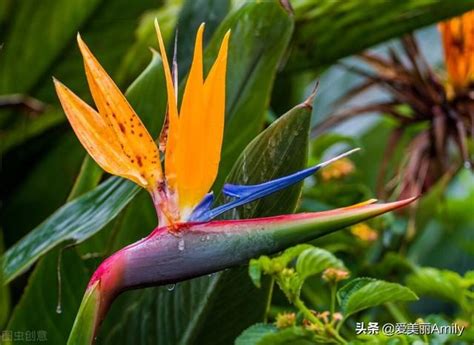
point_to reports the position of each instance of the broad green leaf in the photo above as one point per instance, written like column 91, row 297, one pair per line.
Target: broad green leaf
column 134, row 60
column 265, row 334
column 445, row 284
column 363, row 293
column 278, row 151
column 72, row 222
column 41, row 296
column 61, row 20
column 357, row 25
column 81, row 218
column 315, row 260
column 192, row 14
column 27, row 29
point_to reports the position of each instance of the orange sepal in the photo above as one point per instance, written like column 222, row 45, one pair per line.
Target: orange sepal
column 115, row 136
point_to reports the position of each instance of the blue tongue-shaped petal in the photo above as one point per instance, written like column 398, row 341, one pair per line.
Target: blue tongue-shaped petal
column 244, row 194
column 203, row 207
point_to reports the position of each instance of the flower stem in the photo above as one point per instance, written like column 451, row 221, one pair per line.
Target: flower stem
column 269, row 300
column 307, row 313
column 333, row 288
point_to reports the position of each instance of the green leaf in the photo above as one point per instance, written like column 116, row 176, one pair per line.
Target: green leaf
column 291, row 253
column 81, row 218
column 193, row 13
column 445, row 284
column 275, row 264
column 357, row 25
column 254, row 334
column 51, row 54
column 255, row 272
column 363, row 293
column 278, row 151
column 72, row 222
column 315, row 260
column 41, row 295
column 265, row 334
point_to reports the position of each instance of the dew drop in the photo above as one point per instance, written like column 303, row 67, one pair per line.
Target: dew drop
column 170, row 287
column 59, row 310
column 467, row 165
column 181, row 244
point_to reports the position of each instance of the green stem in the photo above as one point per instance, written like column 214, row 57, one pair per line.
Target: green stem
column 307, row 313
column 269, row 300
column 333, row 288
column 336, row 335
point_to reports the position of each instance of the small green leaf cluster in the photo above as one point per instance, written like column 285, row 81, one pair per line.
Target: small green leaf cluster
column 290, row 271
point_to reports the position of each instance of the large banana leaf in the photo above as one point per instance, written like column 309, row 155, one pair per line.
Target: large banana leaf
column 328, row 30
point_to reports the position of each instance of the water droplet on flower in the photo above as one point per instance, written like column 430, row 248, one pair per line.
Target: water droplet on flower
column 467, row 165
column 170, row 287
column 181, row 244
column 208, row 238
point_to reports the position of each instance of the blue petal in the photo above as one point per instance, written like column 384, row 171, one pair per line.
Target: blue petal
column 203, row 207
column 245, row 194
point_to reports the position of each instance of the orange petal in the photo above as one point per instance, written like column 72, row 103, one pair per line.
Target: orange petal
column 458, row 41
column 191, row 161
column 201, row 127
column 173, row 130
column 136, row 144
column 97, row 137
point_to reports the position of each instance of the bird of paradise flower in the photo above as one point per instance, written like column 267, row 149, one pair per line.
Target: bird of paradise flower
column 187, row 242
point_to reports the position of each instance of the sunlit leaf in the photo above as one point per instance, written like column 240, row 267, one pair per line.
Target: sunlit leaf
column 315, row 260
column 363, row 293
